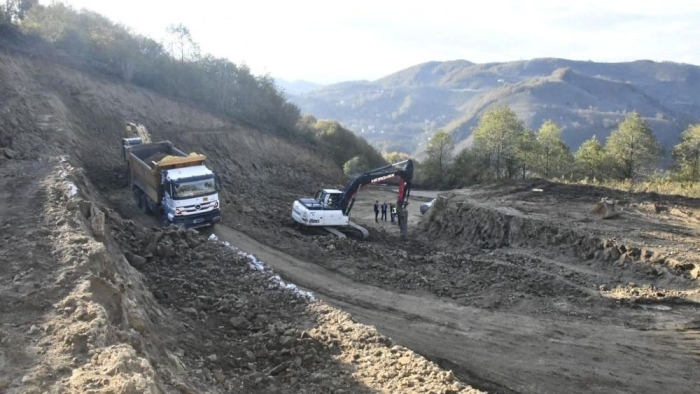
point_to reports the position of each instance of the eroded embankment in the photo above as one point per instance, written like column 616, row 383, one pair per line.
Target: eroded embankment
column 98, row 331
column 457, row 221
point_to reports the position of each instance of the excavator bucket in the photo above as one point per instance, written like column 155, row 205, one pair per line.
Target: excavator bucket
column 606, row 209
column 135, row 130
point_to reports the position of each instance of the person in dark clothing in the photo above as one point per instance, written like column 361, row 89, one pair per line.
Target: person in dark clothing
column 392, row 212
column 376, row 211
column 384, row 211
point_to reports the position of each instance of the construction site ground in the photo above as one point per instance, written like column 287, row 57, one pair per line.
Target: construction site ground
column 511, row 288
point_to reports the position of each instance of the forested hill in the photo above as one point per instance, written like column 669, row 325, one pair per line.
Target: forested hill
column 176, row 69
column 401, row 111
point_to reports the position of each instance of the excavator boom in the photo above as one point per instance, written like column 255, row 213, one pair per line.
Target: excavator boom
column 331, row 208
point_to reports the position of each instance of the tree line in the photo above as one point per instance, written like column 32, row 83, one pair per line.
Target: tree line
column 174, row 68
column 503, row 148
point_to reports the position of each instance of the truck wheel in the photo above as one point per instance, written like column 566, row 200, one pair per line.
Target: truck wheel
column 143, row 204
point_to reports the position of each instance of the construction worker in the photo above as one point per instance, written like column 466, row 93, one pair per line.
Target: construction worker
column 376, row 211
column 392, row 212
column 384, row 211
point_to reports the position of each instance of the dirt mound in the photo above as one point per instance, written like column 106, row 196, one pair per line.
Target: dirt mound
column 90, row 315
column 562, row 226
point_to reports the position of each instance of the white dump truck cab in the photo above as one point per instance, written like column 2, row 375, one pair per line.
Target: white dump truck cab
column 190, row 196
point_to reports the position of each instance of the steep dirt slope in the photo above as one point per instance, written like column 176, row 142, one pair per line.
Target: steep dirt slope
column 49, row 109
column 96, row 303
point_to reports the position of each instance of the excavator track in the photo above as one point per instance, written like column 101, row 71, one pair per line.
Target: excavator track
column 335, row 232
column 365, row 233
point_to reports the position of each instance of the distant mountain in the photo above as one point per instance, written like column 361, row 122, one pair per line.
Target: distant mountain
column 402, row 110
column 297, row 87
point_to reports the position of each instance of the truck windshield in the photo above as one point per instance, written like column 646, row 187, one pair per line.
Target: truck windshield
column 194, row 188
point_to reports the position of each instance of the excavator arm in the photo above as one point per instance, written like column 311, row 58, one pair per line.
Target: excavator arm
column 403, row 170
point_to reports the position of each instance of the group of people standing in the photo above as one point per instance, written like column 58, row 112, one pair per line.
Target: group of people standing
column 391, row 208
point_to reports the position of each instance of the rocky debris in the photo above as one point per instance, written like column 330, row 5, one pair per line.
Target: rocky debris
column 247, row 333
column 377, row 361
column 8, row 153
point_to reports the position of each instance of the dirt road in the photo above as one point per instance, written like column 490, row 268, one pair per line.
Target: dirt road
column 507, row 352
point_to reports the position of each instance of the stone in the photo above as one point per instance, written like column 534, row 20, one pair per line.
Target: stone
column 287, row 341
column 135, row 260
column 404, row 360
column 9, row 153
column 279, row 369
column 239, row 322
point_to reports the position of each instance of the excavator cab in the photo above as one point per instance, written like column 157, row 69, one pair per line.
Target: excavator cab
column 328, row 198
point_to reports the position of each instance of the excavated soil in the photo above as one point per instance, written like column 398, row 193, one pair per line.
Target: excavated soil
column 514, row 288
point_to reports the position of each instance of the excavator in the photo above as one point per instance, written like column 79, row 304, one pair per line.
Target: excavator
column 330, row 208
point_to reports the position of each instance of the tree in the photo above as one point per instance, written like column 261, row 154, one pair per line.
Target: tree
column 554, row 155
column 526, row 152
column 356, row 165
column 395, row 157
column 686, row 154
column 497, row 137
column 181, row 44
column 439, row 153
column 17, row 9
column 589, row 158
column 632, row 148
column 466, row 168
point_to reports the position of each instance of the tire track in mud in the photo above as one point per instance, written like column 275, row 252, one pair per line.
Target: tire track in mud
column 505, row 352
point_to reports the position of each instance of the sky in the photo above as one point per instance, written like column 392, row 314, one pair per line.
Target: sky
column 331, row 41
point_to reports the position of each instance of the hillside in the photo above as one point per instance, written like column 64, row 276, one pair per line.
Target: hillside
column 401, row 111
column 98, row 297
column 296, row 87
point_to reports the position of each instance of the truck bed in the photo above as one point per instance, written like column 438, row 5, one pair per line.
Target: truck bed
column 145, row 165
column 155, row 152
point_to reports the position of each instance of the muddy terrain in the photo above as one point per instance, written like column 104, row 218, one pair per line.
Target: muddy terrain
column 513, row 288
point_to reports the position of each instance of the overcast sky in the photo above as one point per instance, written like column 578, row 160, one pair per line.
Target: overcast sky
column 328, row 41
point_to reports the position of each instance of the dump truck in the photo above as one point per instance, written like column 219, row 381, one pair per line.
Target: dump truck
column 175, row 186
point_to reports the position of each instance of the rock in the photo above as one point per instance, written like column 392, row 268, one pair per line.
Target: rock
column 191, row 311
column 9, row 153
column 287, row 341
column 611, row 254
column 404, row 360
column 33, row 329
column 239, row 322
column 135, row 260
column 219, row 376
column 97, row 223
column 212, row 357
column 279, row 369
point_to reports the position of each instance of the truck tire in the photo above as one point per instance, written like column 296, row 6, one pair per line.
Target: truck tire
column 143, row 204
column 164, row 222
